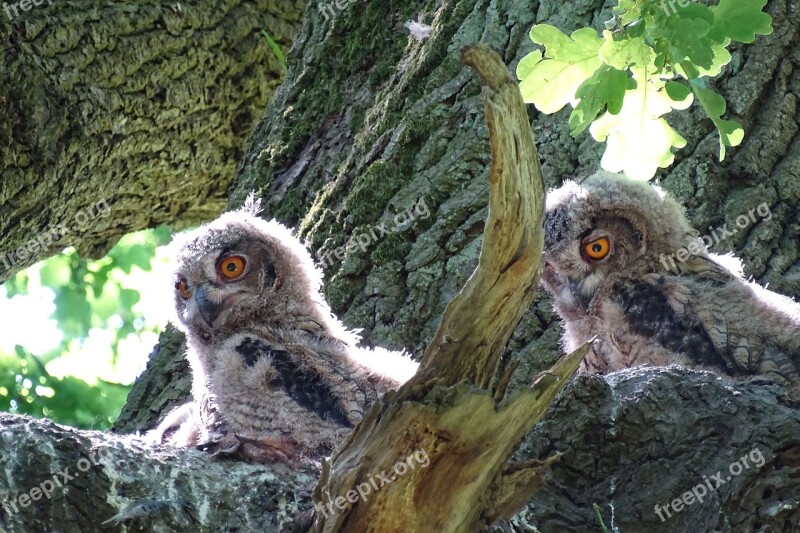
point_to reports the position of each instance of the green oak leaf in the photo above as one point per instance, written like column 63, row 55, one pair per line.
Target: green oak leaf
column 622, row 53
column 731, row 132
column 740, row 20
column 527, row 64
column 683, row 35
column 550, row 81
column 677, row 91
column 604, row 90
column 721, row 58
column 638, row 140
column 631, row 11
column 686, row 33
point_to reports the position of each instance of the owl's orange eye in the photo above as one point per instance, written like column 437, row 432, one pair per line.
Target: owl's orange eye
column 232, row 267
column 183, row 289
column 596, row 249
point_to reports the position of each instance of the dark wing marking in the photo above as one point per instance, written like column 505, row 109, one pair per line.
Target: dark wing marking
column 649, row 314
column 305, row 387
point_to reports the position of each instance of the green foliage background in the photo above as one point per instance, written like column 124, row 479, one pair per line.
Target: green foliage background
column 88, row 294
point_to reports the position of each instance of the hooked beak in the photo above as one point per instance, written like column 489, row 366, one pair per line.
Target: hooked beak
column 548, row 277
column 208, row 309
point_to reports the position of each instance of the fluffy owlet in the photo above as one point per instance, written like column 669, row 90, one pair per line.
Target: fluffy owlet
column 275, row 376
column 622, row 263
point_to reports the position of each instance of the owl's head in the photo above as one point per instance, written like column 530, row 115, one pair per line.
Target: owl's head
column 604, row 229
column 240, row 270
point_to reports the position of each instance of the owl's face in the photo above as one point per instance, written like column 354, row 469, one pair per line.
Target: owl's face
column 240, row 270
column 605, row 229
column 229, row 278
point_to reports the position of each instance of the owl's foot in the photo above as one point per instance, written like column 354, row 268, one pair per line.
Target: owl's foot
column 177, row 429
column 253, row 450
column 220, row 445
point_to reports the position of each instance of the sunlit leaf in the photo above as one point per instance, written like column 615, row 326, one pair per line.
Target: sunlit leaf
column 638, row 140
column 623, row 53
column 55, row 272
column 604, row 90
column 550, row 82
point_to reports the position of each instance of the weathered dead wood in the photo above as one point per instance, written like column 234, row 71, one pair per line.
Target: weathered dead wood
column 482, row 316
column 447, row 412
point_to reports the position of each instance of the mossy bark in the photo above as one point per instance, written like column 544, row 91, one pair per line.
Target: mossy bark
column 146, row 106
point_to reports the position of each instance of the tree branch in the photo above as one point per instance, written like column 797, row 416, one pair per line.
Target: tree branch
column 62, row 479
column 447, row 413
column 478, row 322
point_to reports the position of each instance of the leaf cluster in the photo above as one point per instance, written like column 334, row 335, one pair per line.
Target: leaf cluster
column 27, row 388
column 653, row 57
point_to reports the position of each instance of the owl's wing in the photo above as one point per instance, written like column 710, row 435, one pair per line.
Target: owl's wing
column 311, row 379
column 710, row 314
column 657, row 308
column 686, row 312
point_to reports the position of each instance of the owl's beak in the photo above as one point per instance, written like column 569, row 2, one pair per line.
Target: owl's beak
column 207, row 308
column 548, row 277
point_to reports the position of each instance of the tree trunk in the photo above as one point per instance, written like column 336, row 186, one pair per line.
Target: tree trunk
column 372, row 122
column 145, row 107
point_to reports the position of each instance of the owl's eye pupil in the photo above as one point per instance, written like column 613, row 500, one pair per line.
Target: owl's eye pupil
column 232, row 267
column 597, row 249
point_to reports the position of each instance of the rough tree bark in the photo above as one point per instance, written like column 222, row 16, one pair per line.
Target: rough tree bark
column 371, row 120
column 145, row 106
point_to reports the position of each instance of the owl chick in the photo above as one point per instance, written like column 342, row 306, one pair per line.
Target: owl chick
column 275, row 376
column 613, row 250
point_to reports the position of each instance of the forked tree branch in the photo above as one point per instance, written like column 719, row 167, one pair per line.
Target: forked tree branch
column 479, row 320
column 447, row 412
